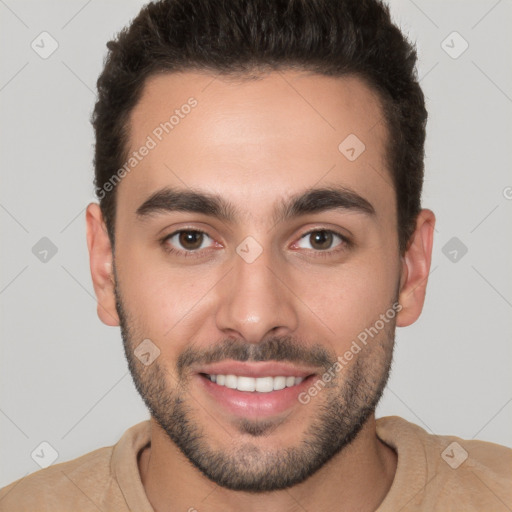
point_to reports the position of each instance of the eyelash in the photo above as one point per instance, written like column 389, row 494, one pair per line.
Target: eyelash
column 344, row 245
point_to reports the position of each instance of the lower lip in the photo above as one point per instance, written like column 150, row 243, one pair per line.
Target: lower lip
column 253, row 404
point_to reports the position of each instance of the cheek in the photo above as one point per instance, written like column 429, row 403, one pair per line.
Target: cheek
column 164, row 300
column 352, row 297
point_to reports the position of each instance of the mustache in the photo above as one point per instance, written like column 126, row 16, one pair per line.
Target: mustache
column 271, row 349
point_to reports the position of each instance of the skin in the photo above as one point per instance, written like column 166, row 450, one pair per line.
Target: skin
column 256, row 143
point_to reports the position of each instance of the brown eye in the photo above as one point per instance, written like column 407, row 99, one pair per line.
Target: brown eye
column 186, row 240
column 321, row 240
column 190, row 240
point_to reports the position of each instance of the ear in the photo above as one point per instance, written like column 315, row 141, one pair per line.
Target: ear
column 100, row 260
column 415, row 269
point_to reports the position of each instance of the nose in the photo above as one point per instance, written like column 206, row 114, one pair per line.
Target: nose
column 256, row 300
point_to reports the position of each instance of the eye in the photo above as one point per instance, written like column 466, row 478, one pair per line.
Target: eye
column 321, row 240
column 186, row 240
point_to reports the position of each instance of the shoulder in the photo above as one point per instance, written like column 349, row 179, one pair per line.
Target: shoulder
column 81, row 484
column 452, row 472
column 490, row 455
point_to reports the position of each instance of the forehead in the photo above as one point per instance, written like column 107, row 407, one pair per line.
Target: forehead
column 253, row 140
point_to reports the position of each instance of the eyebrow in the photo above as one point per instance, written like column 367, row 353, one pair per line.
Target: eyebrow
column 317, row 200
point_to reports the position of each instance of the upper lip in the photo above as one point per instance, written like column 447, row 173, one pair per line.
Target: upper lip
column 256, row 369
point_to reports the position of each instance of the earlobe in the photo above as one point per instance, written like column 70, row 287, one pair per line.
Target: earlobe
column 415, row 269
column 100, row 260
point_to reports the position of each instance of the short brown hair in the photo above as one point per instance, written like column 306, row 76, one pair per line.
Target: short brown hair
column 239, row 37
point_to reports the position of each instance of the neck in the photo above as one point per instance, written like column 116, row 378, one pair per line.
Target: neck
column 357, row 478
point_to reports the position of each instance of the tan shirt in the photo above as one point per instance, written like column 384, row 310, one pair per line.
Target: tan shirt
column 441, row 473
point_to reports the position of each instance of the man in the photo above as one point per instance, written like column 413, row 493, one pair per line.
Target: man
column 259, row 237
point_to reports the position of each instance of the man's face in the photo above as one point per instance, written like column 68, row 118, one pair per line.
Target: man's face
column 264, row 291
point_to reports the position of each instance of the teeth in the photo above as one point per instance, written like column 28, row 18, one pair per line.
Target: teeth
column 231, row 381
column 278, row 382
column 245, row 384
column 260, row 384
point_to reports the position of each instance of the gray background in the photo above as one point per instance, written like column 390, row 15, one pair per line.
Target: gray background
column 63, row 376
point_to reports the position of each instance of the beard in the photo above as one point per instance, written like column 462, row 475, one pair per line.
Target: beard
column 346, row 404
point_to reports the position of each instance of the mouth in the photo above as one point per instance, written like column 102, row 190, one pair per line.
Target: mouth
column 254, row 390
column 255, row 384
